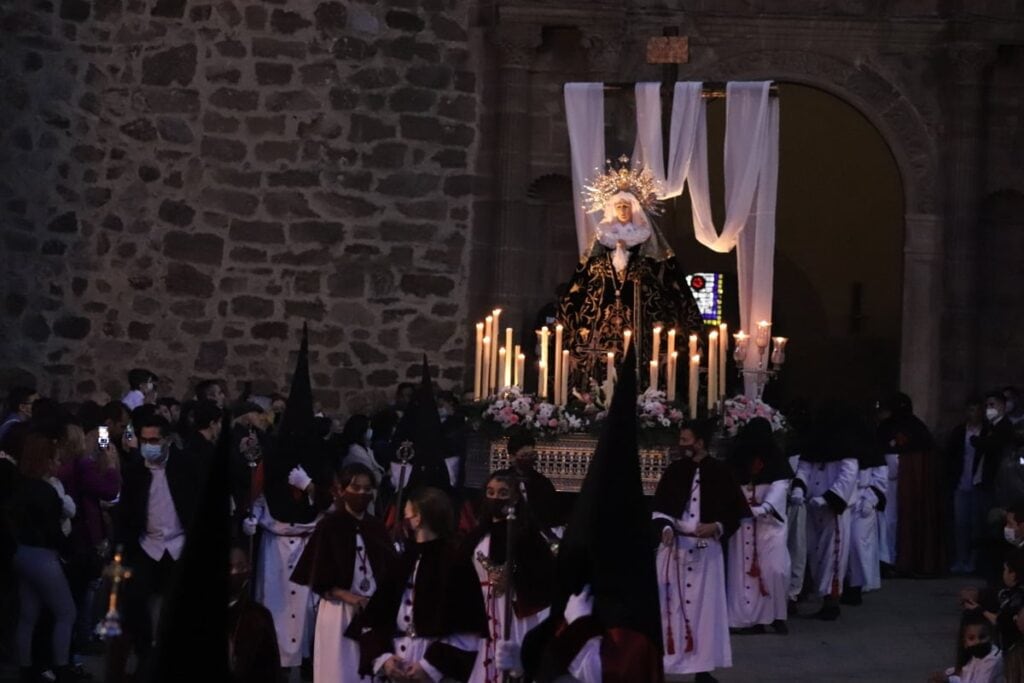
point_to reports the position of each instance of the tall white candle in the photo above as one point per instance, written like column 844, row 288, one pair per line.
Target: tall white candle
column 520, row 368
column 656, row 343
column 558, row 365
column 693, row 345
column 652, row 381
column 694, row 381
column 609, row 366
column 764, row 333
column 671, row 343
column 542, row 382
column 673, row 364
column 495, row 345
column 542, row 389
column 712, row 370
column 509, row 357
column 517, row 376
column 503, row 372
column 627, row 336
column 723, row 355
column 564, row 391
column 478, row 359
column 486, row 369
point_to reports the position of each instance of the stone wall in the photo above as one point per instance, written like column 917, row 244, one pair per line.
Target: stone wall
column 183, row 183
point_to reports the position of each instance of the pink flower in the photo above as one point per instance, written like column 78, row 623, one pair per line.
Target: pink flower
column 552, row 423
column 513, row 419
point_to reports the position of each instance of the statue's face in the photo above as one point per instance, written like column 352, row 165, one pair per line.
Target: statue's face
column 624, row 211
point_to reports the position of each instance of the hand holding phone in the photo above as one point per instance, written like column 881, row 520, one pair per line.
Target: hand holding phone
column 103, row 437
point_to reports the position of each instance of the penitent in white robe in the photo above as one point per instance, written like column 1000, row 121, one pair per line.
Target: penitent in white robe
column 760, row 599
column 865, row 549
column 335, row 657
column 828, row 534
column 796, row 542
column 484, row 669
column 289, row 603
column 691, row 587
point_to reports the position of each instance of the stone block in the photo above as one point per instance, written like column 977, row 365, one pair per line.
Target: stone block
column 407, row 184
column 142, row 130
column 382, row 378
column 230, row 201
column 347, row 378
column 451, row 158
column 322, row 232
column 277, row 150
column 306, row 258
column 430, row 210
column 346, row 284
column 236, row 178
column 306, row 283
column 323, row 73
column 374, row 78
column 404, row 21
column 307, row 310
column 35, row 328
column 64, row 223
column 369, row 129
column 174, row 9
column 211, row 356
column 430, row 129
column 174, row 130
column 429, row 76
column 343, row 99
column 407, row 48
column 53, row 248
column 259, row 232
column 255, row 17
column 336, row 205
column 248, row 255
column 292, row 100
column 368, row 354
column 265, row 125
column 460, row 107
column 139, row 331
column 252, row 307
column 423, row 285
column 218, row 73
column 75, row 10
column 146, row 305
column 396, row 231
column 194, row 247
column 415, row 100
column 270, row 330
column 222, row 149
column 331, row 17
column 271, row 48
column 458, row 185
column 287, row 23
column 274, row 73
column 447, row 29
column 174, row 65
column 169, row 101
column 287, row 205
column 354, row 49
column 235, row 99
column 430, row 333
column 293, row 178
column 72, row 327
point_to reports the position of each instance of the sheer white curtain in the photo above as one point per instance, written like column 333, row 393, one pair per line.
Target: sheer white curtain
column 584, row 112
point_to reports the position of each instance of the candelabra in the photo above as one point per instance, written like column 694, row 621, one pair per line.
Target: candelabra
column 762, row 373
column 110, row 626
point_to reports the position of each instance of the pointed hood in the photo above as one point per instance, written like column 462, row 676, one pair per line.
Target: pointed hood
column 608, row 541
column 192, row 636
column 421, row 424
column 298, row 411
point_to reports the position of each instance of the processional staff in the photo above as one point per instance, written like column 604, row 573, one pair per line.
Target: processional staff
column 110, row 626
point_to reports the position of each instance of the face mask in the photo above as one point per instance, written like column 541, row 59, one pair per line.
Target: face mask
column 148, row 386
column 357, row 502
column 443, row 413
column 687, row 452
column 1010, row 405
column 151, row 451
column 979, row 650
column 236, row 585
column 991, row 414
column 369, row 435
column 493, row 507
column 1010, row 534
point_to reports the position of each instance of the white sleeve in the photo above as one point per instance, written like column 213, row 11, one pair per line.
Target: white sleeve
column 586, row 666
column 776, row 498
column 879, row 478
column 845, row 484
column 803, row 472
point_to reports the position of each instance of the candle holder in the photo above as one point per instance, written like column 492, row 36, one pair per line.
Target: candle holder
column 762, row 374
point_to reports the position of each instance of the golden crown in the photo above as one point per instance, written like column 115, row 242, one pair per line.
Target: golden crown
column 639, row 183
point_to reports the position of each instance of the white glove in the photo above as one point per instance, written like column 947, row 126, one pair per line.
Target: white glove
column 817, row 502
column 758, row 511
column 866, row 508
column 299, row 479
column 579, row 605
column 507, row 656
column 796, row 496
column 69, row 507
column 249, row 525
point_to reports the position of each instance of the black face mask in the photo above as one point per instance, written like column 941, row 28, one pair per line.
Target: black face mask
column 237, row 584
column 979, row 650
column 687, row 452
column 494, row 507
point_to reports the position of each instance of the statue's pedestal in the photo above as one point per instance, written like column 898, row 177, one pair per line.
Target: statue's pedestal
column 564, row 462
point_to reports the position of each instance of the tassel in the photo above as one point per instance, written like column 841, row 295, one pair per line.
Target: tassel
column 689, row 637
column 835, row 560
column 670, row 641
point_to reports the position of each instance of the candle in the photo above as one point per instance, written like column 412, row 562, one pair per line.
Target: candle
column 565, row 377
column 723, row 355
column 671, row 342
column 693, row 345
column 694, row 378
column 542, row 382
column 673, row 363
column 740, row 353
column 653, row 380
column 517, row 375
column 712, row 370
column 478, row 359
column 520, row 368
column 627, row 336
column 509, row 356
column 486, row 369
column 779, row 350
column 495, row 343
column 543, row 388
column 503, row 374
column 764, row 330
column 559, row 369
column 656, row 343
column 609, row 369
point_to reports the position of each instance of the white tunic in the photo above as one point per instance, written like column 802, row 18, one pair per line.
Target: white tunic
column 864, row 551
column 694, row 571
column 289, row 603
column 887, row 524
column 335, row 657
column 760, row 599
column 797, row 539
column 988, row 669
column 484, row 669
column 828, row 535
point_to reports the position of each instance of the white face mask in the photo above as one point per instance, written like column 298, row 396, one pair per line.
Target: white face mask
column 992, row 414
column 1010, row 534
column 369, row 435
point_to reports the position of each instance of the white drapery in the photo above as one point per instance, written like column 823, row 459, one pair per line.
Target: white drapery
column 751, row 175
column 584, row 112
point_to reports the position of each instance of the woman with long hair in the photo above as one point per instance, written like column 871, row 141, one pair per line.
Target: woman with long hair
column 355, row 445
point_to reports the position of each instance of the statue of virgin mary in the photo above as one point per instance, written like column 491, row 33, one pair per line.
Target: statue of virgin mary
column 629, row 279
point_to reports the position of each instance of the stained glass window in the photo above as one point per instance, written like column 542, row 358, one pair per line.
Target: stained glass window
column 707, row 290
